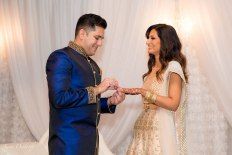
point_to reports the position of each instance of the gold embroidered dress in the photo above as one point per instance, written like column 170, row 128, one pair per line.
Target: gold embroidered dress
column 161, row 131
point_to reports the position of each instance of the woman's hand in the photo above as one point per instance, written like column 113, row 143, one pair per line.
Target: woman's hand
column 134, row 91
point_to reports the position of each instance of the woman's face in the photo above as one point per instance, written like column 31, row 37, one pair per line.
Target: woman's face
column 153, row 43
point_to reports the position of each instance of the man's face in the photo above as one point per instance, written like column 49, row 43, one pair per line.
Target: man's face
column 92, row 40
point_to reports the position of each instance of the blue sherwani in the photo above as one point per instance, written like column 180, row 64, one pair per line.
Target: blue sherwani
column 73, row 120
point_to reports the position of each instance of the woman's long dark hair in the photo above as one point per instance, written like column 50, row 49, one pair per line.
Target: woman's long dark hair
column 170, row 49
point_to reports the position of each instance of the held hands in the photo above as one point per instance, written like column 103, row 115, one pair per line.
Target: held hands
column 106, row 84
column 110, row 84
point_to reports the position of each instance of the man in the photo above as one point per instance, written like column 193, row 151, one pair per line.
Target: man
column 74, row 83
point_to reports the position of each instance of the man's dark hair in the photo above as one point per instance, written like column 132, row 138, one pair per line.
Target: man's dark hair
column 89, row 21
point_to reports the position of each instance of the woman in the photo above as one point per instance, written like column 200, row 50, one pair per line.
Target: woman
column 160, row 128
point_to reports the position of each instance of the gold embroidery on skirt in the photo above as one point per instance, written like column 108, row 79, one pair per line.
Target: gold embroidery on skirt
column 146, row 135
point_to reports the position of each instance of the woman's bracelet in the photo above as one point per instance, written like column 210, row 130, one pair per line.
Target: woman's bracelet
column 150, row 97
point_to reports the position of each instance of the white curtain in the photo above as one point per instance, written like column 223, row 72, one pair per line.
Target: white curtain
column 26, row 62
column 33, row 29
column 12, row 125
column 212, row 21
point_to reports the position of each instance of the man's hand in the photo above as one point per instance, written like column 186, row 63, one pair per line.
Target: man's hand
column 106, row 84
column 116, row 98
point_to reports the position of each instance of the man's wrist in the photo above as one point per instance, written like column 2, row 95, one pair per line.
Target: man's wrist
column 109, row 102
column 96, row 90
column 111, row 106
